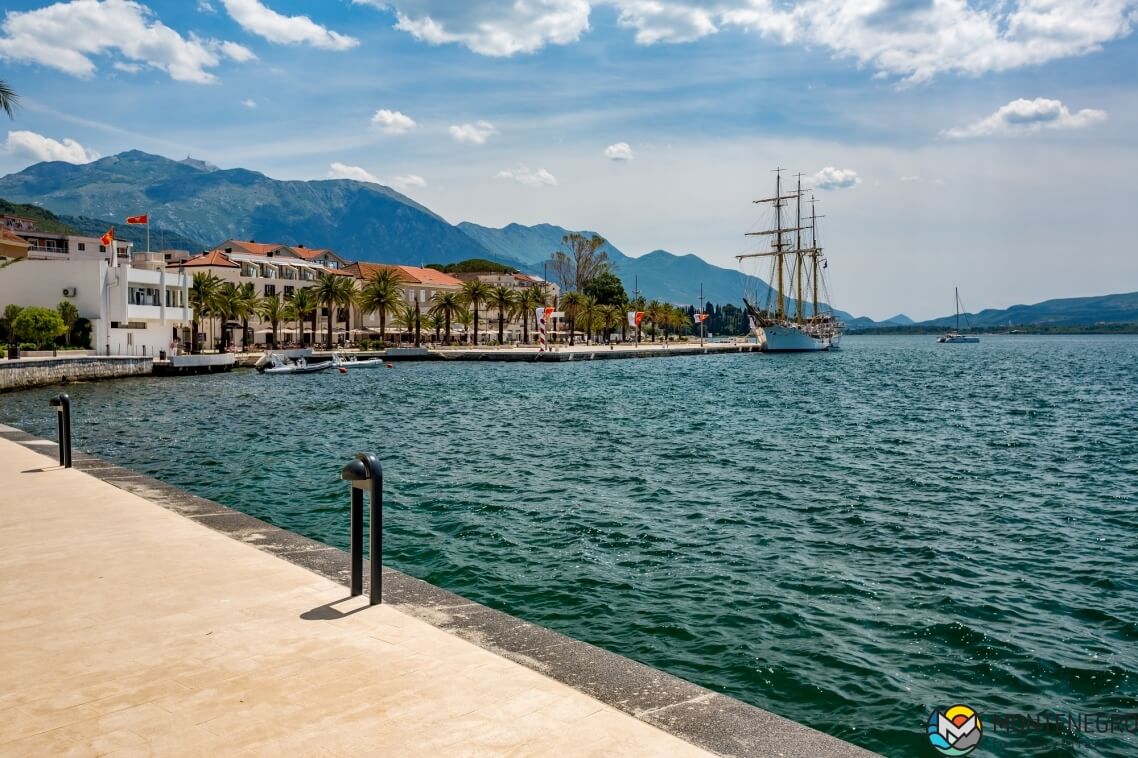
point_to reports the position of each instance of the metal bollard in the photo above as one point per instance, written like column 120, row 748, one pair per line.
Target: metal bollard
column 62, row 405
column 366, row 473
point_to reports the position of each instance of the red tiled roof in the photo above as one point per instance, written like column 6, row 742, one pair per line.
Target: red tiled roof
column 409, row 274
column 212, row 258
column 12, row 237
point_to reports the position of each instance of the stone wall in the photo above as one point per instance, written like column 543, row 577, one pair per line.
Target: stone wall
column 39, row 372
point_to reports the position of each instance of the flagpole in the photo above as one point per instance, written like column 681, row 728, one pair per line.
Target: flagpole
column 148, row 231
column 701, row 314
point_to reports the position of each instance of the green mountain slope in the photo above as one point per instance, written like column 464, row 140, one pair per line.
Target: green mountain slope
column 362, row 221
column 1071, row 311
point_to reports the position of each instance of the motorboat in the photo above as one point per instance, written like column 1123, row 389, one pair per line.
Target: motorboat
column 276, row 364
column 350, row 361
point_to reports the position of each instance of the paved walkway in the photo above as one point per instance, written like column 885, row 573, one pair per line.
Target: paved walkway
column 127, row 629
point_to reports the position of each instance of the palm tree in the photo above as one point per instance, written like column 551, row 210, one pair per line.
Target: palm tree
column 474, row 292
column 203, row 296
column 464, row 318
column 383, row 295
column 301, row 305
column 655, row 312
column 446, row 304
column 433, row 323
column 505, row 300
column 333, row 291
column 272, row 309
column 589, row 316
column 244, row 308
column 529, row 300
column 570, row 304
column 8, row 99
column 403, row 316
column 611, row 316
column 228, row 301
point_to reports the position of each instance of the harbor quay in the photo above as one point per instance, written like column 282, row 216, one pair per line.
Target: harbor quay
column 139, row 619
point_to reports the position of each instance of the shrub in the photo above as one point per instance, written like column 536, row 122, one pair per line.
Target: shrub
column 38, row 325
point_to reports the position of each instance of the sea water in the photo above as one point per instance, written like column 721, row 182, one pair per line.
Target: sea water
column 849, row 539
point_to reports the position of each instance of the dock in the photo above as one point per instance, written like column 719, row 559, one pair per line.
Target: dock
column 138, row 619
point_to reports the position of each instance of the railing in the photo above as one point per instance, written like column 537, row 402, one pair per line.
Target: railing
column 62, row 405
column 365, row 473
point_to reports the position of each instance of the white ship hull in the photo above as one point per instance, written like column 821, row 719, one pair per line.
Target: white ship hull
column 788, row 339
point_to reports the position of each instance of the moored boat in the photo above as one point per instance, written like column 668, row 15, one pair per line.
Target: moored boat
column 956, row 337
column 795, row 317
column 275, row 364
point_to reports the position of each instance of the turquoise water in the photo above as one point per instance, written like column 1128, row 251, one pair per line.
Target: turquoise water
column 847, row 539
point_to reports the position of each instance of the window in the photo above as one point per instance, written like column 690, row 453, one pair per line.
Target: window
column 82, row 246
column 288, row 290
column 102, row 248
column 270, row 289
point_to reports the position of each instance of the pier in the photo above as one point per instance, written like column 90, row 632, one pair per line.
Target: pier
column 140, row 619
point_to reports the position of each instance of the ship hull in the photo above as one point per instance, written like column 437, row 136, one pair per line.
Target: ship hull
column 785, row 339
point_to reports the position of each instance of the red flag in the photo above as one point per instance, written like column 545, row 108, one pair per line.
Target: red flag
column 143, row 219
column 109, row 237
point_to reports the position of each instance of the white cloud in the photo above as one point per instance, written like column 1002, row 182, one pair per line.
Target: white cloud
column 409, row 180
column 912, row 39
column 475, row 134
column 259, row 19
column 249, row 103
column 343, row 171
column 657, row 21
column 831, row 178
column 1022, row 116
column 65, row 36
column 43, row 148
column 204, row 6
column 523, row 175
column 392, row 122
column 910, row 179
column 621, row 151
column 239, row 53
column 491, row 27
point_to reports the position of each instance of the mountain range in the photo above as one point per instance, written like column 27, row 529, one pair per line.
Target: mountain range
column 194, row 204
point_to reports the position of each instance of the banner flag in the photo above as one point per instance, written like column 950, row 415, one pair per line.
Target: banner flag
column 699, row 318
column 143, row 219
column 109, row 237
column 635, row 317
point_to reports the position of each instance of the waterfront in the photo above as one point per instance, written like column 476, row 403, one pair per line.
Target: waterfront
column 906, row 525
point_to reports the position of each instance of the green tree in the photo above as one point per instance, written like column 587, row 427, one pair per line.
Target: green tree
column 580, row 260
column 334, row 291
column 403, row 316
column 446, row 305
column 203, row 296
column 529, row 300
column 245, row 306
column 225, row 307
column 10, row 313
column 70, row 314
column 383, row 295
column 656, row 312
column 474, row 293
column 606, row 288
column 8, row 99
column 611, row 316
column 505, row 301
column 303, row 305
column 38, row 325
column 274, row 310
column 570, row 305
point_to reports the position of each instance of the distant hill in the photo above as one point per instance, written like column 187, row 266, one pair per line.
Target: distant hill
column 197, row 201
column 1071, row 311
column 899, row 320
column 45, row 219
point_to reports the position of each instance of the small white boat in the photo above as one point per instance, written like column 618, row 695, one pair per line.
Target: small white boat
column 351, row 361
column 275, row 364
column 956, row 337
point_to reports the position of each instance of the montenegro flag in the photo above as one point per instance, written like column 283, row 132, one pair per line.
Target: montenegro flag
column 109, row 237
column 143, row 219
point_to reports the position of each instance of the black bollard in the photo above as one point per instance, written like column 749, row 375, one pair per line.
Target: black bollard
column 62, row 405
column 365, row 473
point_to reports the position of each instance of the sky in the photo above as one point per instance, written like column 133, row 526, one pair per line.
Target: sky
column 985, row 145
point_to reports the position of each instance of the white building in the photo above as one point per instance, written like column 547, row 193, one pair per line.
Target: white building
column 135, row 305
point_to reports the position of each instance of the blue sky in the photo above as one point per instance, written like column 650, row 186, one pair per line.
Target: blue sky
column 988, row 146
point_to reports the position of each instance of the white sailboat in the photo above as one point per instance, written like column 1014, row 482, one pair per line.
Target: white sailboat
column 796, row 267
column 956, row 337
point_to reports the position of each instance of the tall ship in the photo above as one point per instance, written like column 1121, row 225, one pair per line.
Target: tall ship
column 794, row 315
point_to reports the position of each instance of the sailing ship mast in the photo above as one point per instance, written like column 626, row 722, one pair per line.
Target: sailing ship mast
column 778, row 246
